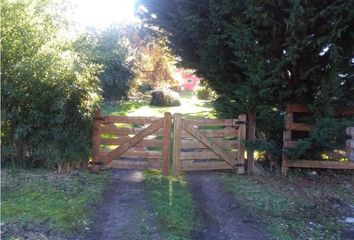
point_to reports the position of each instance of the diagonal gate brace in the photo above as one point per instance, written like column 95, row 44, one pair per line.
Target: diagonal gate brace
column 155, row 125
column 210, row 144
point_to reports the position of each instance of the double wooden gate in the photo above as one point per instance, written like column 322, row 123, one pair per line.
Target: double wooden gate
column 145, row 143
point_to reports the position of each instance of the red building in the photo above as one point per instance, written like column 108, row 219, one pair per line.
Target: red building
column 187, row 79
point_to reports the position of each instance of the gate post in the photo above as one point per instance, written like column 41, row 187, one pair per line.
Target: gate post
column 166, row 142
column 289, row 117
column 242, row 137
column 95, row 136
column 177, row 124
column 251, row 136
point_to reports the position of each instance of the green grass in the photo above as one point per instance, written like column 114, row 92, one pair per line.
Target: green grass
column 295, row 207
column 47, row 201
column 191, row 107
column 173, row 204
column 120, row 108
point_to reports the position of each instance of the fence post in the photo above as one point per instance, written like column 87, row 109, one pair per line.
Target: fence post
column 166, row 142
column 96, row 137
column 350, row 143
column 177, row 129
column 241, row 150
column 251, row 136
column 286, row 137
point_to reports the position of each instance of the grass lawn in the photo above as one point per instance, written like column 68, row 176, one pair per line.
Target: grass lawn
column 298, row 207
column 173, row 204
column 120, row 108
column 190, row 106
column 39, row 203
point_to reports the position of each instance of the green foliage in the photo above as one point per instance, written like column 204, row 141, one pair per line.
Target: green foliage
column 328, row 134
column 50, row 202
column 164, row 98
column 204, row 93
column 112, row 49
column 260, row 55
column 173, row 205
column 48, row 90
column 144, row 88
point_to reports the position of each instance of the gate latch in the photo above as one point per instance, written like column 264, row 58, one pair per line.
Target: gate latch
column 238, row 122
column 99, row 118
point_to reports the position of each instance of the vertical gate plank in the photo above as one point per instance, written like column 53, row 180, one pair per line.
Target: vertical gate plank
column 177, row 129
column 166, row 142
column 242, row 148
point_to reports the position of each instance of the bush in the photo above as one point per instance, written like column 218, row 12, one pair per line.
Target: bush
column 164, row 98
column 49, row 91
column 204, row 93
column 140, row 97
column 144, row 88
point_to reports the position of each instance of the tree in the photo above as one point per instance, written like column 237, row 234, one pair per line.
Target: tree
column 49, row 91
column 269, row 52
column 131, row 57
column 110, row 48
column 261, row 55
column 153, row 62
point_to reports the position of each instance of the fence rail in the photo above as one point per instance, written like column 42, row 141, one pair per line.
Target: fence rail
column 289, row 142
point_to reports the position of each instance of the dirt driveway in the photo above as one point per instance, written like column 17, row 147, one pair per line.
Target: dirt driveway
column 222, row 216
column 125, row 212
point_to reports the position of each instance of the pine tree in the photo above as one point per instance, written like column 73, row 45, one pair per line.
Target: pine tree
column 265, row 52
column 261, row 55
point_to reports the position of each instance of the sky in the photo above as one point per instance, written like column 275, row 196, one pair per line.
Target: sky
column 101, row 13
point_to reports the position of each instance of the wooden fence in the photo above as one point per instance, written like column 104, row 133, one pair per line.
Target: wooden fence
column 208, row 144
column 198, row 144
column 288, row 142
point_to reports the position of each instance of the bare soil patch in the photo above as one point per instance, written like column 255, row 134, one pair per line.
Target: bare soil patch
column 222, row 215
column 124, row 212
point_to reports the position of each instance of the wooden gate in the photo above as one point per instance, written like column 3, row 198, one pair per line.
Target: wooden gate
column 208, row 144
column 132, row 142
column 144, row 143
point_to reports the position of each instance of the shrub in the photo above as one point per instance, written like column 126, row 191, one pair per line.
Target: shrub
column 164, row 98
column 144, row 88
column 140, row 97
column 49, row 91
column 204, row 93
